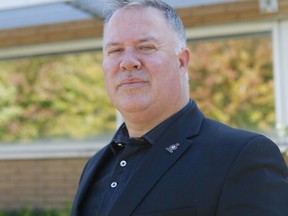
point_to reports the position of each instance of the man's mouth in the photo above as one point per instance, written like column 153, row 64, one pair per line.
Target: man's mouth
column 132, row 83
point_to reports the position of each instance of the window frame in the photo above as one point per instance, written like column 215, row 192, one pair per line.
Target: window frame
column 277, row 29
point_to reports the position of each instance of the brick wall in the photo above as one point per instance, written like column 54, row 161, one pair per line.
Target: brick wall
column 39, row 183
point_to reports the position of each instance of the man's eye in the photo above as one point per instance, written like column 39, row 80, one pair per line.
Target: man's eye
column 147, row 49
column 114, row 51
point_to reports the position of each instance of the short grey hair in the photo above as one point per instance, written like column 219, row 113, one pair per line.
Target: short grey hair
column 169, row 13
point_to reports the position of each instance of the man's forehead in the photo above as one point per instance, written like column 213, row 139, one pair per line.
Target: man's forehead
column 135, row 27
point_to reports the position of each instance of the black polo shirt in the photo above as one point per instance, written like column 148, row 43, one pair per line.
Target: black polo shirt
column 126, row 155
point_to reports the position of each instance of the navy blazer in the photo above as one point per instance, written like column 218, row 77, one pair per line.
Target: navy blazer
column 215, row 171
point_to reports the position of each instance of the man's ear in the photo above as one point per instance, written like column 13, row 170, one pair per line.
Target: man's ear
column 184, row 59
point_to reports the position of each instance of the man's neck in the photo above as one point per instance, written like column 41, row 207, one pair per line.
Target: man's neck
column 139, row 124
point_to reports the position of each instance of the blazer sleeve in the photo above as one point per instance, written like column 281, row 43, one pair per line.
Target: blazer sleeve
column 257, row 183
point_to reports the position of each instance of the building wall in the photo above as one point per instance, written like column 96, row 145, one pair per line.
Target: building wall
column 39, row 183
column 52, row 182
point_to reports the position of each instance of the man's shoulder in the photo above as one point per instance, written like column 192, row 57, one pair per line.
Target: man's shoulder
column 221, row 135
column 224, row 143
column 219, row 129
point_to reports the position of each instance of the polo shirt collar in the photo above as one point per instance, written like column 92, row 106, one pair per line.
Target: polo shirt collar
column 121, row 137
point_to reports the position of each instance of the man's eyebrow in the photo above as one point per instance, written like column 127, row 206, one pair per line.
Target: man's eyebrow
column 110, row 44
column 150, row 38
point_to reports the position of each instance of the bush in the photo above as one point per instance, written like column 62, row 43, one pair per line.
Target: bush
column 35, row 212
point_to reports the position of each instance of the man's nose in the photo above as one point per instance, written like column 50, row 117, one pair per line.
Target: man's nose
column 130, row 61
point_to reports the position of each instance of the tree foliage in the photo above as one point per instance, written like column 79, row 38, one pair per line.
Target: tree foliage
column 64, row 95
column 54, row 96
column 232, row 81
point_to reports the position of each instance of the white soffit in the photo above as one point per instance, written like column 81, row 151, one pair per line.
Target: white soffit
column 25, row 13
column 39, row 14
column 191, row 3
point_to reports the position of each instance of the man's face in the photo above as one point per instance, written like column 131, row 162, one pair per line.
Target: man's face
column 142, row 70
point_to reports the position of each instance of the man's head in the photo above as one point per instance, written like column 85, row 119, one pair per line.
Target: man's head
column 171, row 16
column 145, row 60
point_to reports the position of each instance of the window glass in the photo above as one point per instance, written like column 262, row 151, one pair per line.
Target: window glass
column 59, row 96
column 232, row 81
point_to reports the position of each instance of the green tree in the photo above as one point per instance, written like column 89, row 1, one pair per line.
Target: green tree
column 54, row 96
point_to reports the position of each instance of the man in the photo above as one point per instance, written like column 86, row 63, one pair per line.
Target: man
column 167, row 158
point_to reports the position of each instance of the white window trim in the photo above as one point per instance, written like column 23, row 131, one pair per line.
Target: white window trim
column 280, row 46
column 51, row 48
column 44, row 150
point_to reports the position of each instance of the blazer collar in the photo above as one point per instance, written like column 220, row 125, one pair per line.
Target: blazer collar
column 171, row 146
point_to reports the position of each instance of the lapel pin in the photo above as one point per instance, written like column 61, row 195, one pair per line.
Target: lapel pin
column 172, row 147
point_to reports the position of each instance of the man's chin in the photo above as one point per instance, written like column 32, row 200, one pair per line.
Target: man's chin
column 132, row 107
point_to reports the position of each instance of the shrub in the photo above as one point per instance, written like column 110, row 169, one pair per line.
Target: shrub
column 35, row 212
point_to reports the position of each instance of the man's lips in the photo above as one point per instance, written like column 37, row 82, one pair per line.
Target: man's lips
column 132, row 83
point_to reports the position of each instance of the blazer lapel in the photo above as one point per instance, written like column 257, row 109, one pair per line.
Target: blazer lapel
column 87, row 176
column 160, row 158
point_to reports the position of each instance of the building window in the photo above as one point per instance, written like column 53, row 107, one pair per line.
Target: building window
column 232, row 81
column 56, row 96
